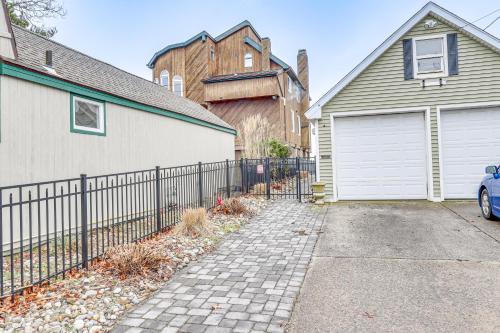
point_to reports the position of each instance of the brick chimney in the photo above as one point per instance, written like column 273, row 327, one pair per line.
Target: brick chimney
column 303, row 74
column 266, row 53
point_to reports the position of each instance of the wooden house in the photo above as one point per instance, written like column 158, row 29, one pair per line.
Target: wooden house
column 235, row 75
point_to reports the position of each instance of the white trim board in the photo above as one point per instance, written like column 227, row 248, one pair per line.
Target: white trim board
column 460, row 24
column 453, row 107
column 427, row 118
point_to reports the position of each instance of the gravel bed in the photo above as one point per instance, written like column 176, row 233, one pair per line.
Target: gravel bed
column 93, row 301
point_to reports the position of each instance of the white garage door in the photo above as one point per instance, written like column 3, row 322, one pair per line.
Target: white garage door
column 470, row 141
column 381, row 157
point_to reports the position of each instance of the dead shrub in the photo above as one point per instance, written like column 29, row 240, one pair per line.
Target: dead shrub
column 259, row 188
column 133, row 259
column 232, row 206
column 193, row 223
column 303, row 174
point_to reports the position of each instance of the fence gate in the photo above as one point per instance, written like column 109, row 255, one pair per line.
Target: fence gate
column 279, row 177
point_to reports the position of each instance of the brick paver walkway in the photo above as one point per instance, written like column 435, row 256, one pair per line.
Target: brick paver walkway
column 248, row 284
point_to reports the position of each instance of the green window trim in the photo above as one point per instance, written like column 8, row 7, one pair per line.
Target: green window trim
column 72, row 115
column 49, row 81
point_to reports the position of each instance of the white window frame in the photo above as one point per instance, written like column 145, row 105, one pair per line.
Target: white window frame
column 83, row 129
column 248, row 57
column 212, row 53
column 298, row 125
column 292, row 124
column 444, row 58
column 290, row 84
column 297, row 92
column 165, row 73
column 178, row 78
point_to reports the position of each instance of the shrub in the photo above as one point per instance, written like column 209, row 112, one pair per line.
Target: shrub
column 232, row 206
column 303, row 174
column 255, row 135
column 193, row 223
column 133, row 259
column 259, row 188
column 278, row 149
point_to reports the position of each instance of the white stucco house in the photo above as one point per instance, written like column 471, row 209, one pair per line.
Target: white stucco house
column 63, row 113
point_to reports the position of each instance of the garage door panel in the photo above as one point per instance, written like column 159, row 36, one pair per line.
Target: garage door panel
column 381, row 157
column 470, row 140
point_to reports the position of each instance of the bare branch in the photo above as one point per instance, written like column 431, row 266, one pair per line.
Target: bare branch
column 31, row 13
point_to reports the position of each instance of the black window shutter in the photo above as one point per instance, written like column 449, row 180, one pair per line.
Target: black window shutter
column 408, row 58
column 452, row 54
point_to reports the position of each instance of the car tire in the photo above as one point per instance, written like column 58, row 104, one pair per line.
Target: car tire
column 486, row 205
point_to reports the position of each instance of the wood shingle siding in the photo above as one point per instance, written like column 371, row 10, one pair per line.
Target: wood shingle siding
column 382, row 86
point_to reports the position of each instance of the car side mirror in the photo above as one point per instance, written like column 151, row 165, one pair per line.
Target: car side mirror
column 491, row 170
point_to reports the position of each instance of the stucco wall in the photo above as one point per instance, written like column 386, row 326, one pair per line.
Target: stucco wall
column 36, row 143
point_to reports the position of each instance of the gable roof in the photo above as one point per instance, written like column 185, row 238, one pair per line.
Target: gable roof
column 202, row 35
column 430, row 8
column 75, row 67
column 275, row 59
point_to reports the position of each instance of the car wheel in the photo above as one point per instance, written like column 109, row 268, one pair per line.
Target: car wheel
column 485, row 205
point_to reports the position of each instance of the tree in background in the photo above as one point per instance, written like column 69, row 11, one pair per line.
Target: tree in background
column 29, row 14
column 256, row 135
column 278, row 149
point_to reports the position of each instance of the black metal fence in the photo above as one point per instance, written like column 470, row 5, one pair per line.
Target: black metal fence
column 50, row 228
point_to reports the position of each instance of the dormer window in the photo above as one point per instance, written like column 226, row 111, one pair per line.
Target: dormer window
column 164, row 78
column 248, row 60
column 429, row 56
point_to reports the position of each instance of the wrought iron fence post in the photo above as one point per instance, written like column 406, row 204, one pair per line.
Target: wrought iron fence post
column 84, row 217
column 228, row 180
column 268, row 179
column 246, row 176
column 157, row 199
column 297, row 165
column 200, row 185
column 242, row 168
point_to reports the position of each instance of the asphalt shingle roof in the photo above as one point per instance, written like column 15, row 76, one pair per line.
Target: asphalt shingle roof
column 76, row 67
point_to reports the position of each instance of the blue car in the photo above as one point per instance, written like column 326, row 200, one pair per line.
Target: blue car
column 489, row 193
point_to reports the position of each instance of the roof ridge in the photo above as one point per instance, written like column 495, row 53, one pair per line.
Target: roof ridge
column 80, row 52
column 430, row 8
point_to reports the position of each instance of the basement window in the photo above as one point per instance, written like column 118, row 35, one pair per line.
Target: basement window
column 248, row 60
column 88, row 116
column 429, row 56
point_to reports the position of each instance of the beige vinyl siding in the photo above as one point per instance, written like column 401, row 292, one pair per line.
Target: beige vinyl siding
column 36, row 143
column 382, row 86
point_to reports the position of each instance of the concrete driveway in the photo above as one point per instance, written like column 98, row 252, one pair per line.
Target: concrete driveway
column 402, row 267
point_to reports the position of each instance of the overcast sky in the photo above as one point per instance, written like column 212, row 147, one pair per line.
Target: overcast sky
column 337, row 34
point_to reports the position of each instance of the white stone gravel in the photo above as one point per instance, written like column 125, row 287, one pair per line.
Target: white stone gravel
column 96, row 300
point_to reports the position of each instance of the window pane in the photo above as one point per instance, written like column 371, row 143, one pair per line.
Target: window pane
column 164, row 80
column 177, row 86
column 429, row 46
column 429, row 64
column 86, row 115
column 248, row 60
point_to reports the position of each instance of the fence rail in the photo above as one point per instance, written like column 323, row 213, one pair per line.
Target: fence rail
column 50, row 228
